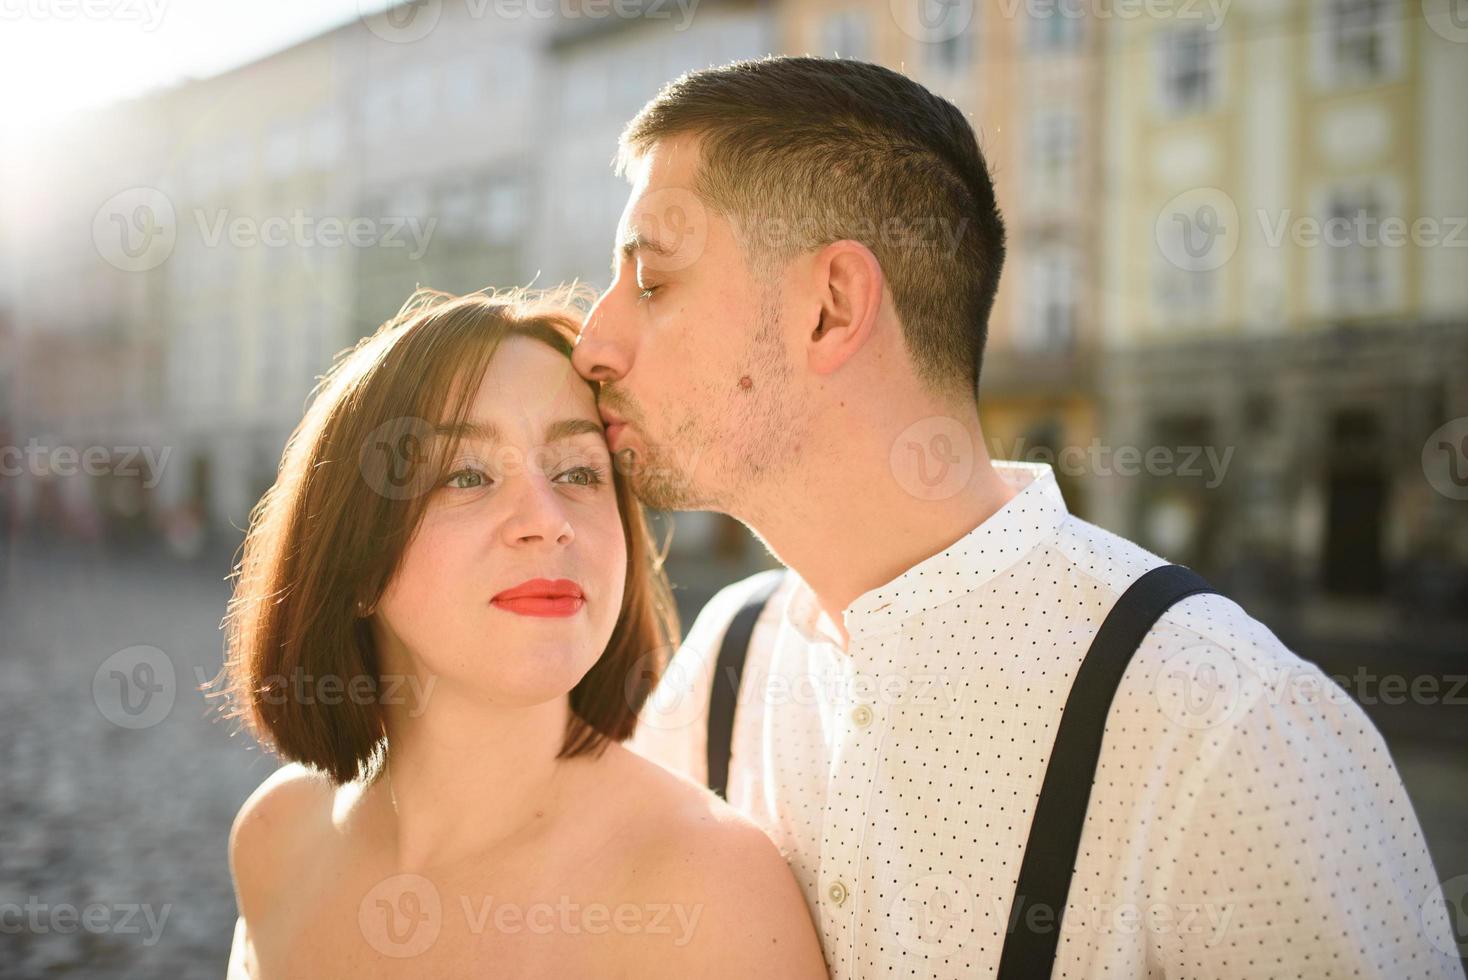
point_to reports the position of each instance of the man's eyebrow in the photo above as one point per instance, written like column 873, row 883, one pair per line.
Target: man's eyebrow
column 635, row 241
column 489, row 432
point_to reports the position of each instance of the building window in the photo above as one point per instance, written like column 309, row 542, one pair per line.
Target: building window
column 1052, row 147
column 950, row 54
column 324, row 142
column 233, row 158
column 415, row 97
column 1049, row 323
column 1184, row 297
column 844, row 35
column 1359, row 41
column 462, row 93
column 377, row 111
column 456, row 210
column 274, row 331
column 410, row 199
column 1188, row 66
column 503, row 213
column 1355, row 278
column 282, row 150
column 1259, row 412
column 1054, row 28
column 587, row 85
column 949, row 41
column 224, row 349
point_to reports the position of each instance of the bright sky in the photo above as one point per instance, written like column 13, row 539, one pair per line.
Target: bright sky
column 59, row 55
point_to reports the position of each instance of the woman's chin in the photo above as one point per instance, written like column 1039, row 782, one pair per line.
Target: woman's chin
column 544, row 676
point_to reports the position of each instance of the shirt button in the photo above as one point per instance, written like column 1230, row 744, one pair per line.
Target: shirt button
column 837, row 892
column 861, row 716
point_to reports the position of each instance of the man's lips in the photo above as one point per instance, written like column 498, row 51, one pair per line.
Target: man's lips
column 615, row 424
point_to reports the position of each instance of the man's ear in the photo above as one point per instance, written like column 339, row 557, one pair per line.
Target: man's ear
column 849, row 284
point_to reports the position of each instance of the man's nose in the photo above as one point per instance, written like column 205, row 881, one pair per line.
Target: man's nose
column 600, row 353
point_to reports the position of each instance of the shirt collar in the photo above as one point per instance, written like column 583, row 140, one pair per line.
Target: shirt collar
column 1031, row 516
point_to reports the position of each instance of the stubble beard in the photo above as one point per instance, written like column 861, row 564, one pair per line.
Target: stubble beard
column 748, row 440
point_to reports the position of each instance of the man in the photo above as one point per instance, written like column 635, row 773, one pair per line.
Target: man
column 803, row 276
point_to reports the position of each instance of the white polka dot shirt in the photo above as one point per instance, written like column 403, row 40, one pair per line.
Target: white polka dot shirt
column 1246, row 819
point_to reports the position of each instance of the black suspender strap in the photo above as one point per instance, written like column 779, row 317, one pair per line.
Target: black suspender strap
column 1055, row 833
column 728, row 672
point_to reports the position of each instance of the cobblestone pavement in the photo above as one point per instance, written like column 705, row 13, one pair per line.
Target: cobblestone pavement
column 114, row 838
column 115, row 807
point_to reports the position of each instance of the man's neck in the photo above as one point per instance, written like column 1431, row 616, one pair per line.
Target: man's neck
column 846, row 534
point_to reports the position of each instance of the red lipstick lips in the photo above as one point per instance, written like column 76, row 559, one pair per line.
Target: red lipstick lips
column 542, row 597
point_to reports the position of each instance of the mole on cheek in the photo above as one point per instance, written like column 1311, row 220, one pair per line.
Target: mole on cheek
column 746, row 382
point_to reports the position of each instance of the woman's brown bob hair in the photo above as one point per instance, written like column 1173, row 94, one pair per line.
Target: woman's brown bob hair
column 354, row 481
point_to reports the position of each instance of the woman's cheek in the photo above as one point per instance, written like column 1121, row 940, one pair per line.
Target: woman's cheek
column 428, row 567
column 614, row 569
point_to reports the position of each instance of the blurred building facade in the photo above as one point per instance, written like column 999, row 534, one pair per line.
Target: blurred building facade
column 1158, row 175
column 1286, row 279
column 1028, row 77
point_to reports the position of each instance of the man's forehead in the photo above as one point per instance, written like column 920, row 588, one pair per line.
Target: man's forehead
column 673, row 158
column 668, row 164
column 663, row 216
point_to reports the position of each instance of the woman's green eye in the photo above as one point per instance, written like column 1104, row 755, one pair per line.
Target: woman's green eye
column 465, row 480
column 591, row 476
column 582, row 476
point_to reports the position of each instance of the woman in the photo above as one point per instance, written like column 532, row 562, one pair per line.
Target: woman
column 446, row 617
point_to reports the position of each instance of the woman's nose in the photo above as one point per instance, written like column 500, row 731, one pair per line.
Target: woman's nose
column 538, row 514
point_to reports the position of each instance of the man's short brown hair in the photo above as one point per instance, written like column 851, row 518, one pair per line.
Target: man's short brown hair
column 801, row 152
column 353, row 485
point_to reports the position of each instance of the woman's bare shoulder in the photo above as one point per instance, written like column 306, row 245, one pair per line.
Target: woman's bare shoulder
column 663, row 811
column 719, row 874
column 276, row 825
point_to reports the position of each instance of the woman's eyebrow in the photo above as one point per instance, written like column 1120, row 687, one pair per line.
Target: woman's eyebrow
column 484, row 431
